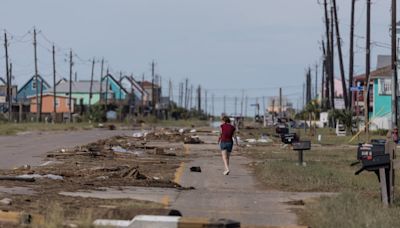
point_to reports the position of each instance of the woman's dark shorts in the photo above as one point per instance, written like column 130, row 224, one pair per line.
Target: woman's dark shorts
column 228, row 146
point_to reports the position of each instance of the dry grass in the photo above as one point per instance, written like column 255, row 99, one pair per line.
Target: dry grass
column 328, row 170
column 350, row 210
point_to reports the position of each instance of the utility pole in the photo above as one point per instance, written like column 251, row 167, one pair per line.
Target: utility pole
column 186, row 93
column 9, row 90
column 91, row 86
column 199, row 99
column 328, row 56
column 367, row 69
column 339, row 46
column 246, row 104
column 323, row 81
column 224, row 105
column 212, row 105
column 304, row 101
column 101, row 80
column 351, row 54
column 120, row 88
column 142, row 97
column 263, row 110
column 235, row 106
column 191, row 97
column 241, row 103
column 308, row 86
column 38, row 114
column 106, row 102
column 54, row 86
column 76, row 76
column 153, row 98
column 8, row 76
column 206, row 102
column 170, row 93
column 181, row 94
column 316, row 81
column 332, row 81
column 280, row 101
column 70, row 86
column 327, row 76
column 394, row 67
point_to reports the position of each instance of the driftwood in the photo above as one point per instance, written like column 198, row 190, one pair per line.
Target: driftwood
column 13, row 178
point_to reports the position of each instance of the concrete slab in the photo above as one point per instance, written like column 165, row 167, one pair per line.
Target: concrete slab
column 17, row 190
column 157, row 195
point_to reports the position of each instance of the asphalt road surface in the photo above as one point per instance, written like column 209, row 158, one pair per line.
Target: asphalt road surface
column 29, row 148
column 237, row 196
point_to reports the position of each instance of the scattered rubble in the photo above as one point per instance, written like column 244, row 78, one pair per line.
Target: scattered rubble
column 195, row 169
column 193, row 140
column 6, row 201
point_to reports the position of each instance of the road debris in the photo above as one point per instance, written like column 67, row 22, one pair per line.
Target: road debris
column 195, row 169
column 6, row 201
column 193, row 140
column 38, row 176
column 13, row 178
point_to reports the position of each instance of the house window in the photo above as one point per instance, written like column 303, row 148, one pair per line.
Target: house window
column 385, row 86
column 57, row 102
column 34, row 84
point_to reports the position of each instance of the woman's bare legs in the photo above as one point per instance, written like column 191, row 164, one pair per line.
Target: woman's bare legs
column 225, row 158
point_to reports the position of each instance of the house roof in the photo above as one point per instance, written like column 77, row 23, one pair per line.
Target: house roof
column 385, row 71
column 116, row 81
column 2, row 80
column 32, row 78
column 78, row 87
column 148, row 84
column 49, row 94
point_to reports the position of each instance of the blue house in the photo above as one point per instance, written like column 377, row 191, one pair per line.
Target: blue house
column 382, row 93
column 29, row 88
column 119, row 93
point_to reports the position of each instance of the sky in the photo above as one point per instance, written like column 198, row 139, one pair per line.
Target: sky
column 232, row 48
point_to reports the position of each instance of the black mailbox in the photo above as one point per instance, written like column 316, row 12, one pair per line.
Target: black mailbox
column 378, row 141
column 373, row 156
column 302, row 145
column 280, row 130
column 289, row 138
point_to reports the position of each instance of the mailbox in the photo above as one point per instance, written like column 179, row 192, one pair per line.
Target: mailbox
column 302, row 145
column 373, row 156
column 282, row 129
column 289, row 138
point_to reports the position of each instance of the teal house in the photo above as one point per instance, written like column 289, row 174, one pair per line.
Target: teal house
column 29, row 88
column 80, row 91
column 114, row 89
column 382, row 93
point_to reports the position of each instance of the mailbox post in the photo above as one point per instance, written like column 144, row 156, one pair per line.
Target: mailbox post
column 300, row 147
column 379, row 157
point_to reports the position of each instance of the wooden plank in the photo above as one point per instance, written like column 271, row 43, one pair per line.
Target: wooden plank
column 384, row 192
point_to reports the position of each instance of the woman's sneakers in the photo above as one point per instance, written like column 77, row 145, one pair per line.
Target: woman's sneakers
column 226, row 172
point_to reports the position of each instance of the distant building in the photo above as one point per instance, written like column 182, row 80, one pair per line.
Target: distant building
column 148, row 87
column 29, row 88
column 62, row 104
column 80, row 91
column 116, row 91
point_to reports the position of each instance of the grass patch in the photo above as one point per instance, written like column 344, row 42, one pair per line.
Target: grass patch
column 328, row 170
column 350, row 210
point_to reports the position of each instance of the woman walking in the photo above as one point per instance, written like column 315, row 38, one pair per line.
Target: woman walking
column 226, row 141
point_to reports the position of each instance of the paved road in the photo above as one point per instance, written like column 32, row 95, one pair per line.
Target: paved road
column 29, row 148
column 236, row 196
